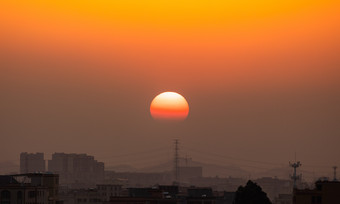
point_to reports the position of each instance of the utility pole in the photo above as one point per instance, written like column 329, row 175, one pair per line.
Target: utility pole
column 295, row 177
column 176, row 160
column 334, row 168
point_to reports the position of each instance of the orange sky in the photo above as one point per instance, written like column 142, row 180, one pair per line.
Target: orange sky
column 219, row 38
column 98, row 63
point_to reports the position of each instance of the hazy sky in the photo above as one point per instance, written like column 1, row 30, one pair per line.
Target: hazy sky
column 261, row 79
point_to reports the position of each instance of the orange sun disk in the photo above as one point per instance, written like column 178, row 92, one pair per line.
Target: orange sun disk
column 169, row 106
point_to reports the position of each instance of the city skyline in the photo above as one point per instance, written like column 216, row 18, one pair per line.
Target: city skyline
column 30, row 162
column 261, row 79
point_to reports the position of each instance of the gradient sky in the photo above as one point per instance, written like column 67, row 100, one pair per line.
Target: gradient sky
column 261, row 78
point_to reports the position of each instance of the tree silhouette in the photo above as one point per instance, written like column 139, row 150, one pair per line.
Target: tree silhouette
column 251, row 194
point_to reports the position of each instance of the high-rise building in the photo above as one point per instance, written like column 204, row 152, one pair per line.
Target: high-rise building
column 77, row 170
column 32, row 162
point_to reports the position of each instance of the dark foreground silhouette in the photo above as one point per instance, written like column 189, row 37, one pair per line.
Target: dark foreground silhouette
column 251, row 194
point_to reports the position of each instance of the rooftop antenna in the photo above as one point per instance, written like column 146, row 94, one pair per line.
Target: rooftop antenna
column 295, row 177
column 334, row 168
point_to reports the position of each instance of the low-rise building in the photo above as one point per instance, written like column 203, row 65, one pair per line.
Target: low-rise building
column 172, row 195
column 106, row 191
column 29, row 189
column 283, row 199
column 325, row 192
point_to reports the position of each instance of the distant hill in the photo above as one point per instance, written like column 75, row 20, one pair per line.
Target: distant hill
column 279, row 172
column 213, row 170
column 121, row 168
column 209, row 170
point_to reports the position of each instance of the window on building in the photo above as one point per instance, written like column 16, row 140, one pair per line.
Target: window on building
column 313, row 200
column 319, row 199
column 19, row 197
column 319, row 187
column 5, row 197
column 32, row 194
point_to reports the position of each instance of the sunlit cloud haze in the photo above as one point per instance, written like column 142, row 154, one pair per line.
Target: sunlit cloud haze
column 261, row 79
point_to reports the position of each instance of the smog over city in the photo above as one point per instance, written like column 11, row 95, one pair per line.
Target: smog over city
column 169, row 101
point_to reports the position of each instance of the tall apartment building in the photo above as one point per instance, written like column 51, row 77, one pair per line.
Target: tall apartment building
column 32, row 163
column 76, row 170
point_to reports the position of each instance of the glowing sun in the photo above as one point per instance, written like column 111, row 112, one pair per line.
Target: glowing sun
column 169, row 106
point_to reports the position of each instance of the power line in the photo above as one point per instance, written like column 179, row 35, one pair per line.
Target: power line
column 153, row 151
column 145, row 162
column 216, row 160
column 237, row 158
column 145, row 158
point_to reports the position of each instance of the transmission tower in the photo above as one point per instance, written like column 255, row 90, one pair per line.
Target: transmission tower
column 334, row 168
column 295, row 177
column 176, row 160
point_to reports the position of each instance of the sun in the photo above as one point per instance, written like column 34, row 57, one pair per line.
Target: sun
column 169, row 106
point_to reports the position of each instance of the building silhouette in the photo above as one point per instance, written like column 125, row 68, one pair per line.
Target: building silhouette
column 101, row 194
column 274, row 186
column 32, row 162
column 106, row 191
column 37, row 188
column 325, row 192
column 173, row 195
column 77, row 170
